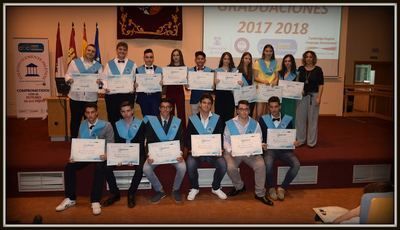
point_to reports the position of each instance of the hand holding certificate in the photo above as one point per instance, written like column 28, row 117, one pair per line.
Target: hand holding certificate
column 148, row 83
column 85, row 83
column 206, row 145
column 292, row 89
column 165, row 152
column 281, row 138
column 248, row 93
column 175, row 75
column 246, row 144
column 264, row 92
column 119, row 84
column 122, row 154
column 87, row 149
column 201, row 80
column 228, row 80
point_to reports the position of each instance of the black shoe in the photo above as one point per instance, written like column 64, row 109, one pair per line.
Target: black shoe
column 265, row 200
column 131, row 201
column 235, row 192
column 111, row 200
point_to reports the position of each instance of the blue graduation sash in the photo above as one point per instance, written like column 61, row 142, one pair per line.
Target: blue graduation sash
column 270, row 124
column 206, row 69
column 114, row 68
column 290, row 77
column 213, row 120
column 244, row 80
column 265, row 69
column 84, row 132
column 142, row 69
column 128, row 133
column 233, row 130
column 222, row 70
column 158, row 129
column 93, row 69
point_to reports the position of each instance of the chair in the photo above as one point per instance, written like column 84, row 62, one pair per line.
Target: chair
column 377, row 208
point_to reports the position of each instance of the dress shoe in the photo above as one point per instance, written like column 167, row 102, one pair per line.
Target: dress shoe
column 235, row 192
column 131, row 201
column 265, row 200
column 281, row 193
column 111, row 200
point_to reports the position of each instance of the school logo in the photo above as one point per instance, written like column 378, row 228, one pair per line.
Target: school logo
column 242, row 45
column 32, row 68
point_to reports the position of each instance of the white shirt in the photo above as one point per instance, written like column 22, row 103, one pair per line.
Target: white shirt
column 94, row 124
column 81, row 96
column 205, row 121
column 149, row 71
column 276, row 123
column 241, row 129
column 121, row 67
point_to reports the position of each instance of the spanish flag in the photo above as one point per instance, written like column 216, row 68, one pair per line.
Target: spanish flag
column 84, row 40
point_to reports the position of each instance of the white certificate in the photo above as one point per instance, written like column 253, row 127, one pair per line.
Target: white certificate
column 87, row 149
column 164, row 152
column 264, row 92
column 120, row 84
column 175, row 75
column 206, row 145
column 281, row 138
column 292, row 89
column 85, row 83
column 201, row 80
column 123, row 153
column 228, row 80
column 248, row 93
column 246, row 144
column 148, row 83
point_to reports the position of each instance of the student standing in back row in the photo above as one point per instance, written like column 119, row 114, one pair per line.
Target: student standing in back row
column 246, row 68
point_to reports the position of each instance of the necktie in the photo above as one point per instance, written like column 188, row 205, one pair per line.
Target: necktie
column 91, row 127
column 149, row 67
column 165, row 125
column 275, row 119
column 121, row 61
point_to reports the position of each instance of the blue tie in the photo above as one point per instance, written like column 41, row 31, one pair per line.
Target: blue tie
column 165, row 126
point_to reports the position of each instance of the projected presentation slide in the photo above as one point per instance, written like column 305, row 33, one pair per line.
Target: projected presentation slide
column 289, row 29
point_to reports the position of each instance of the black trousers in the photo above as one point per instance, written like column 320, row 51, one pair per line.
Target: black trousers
column 113, row 102
column 77, row 113
column 137, row 177
column 97, row 184
column 224, row 104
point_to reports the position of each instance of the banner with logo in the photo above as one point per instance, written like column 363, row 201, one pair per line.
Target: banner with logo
column 32, row 77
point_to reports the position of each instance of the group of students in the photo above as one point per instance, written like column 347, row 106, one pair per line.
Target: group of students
column 159, row 123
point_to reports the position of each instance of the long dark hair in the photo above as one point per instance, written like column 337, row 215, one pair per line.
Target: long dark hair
column 284, row 69
column 181, row 62
column 273, row 51
column 231, row 63
column 249, row 74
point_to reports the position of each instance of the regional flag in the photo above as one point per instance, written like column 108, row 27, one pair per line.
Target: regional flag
column 59, row 66
column 72, row 47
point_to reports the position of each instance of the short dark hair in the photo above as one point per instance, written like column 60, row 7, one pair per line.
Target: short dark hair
column 243, row 102
column 378, row 187
column 123, row 44
column 90, row 105
column 207, row 96
column 147, row 51
column 274, row 99
column 125, row 103
column 92, row 45
column 200, row 53
column 166, row 100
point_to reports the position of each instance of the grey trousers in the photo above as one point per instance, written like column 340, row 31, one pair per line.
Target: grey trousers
column 255, row 162
column 307, row 113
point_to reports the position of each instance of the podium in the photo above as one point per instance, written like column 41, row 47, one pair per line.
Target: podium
column 59, row 117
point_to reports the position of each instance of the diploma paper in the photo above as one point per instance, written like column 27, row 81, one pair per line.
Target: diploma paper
column 87, row 149
column 164, row 152
column 123, row 153
column 264, row 92
column 148, row 83
column 228, row 80
column 248, row 93
column 246, row 144
column 175, row 75
column 85, row 83
column 120, row 84
column 281, row 138
column 292, row 89
column 206, row 145
column 201, row 80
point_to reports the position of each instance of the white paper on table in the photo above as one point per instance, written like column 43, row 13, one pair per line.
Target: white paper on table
column 85, row 83
column 164, row 152
column 123, row 153
column 292, row 89
column 148, row 83
column 248, row 93
column 87, row 149
column 281, row 138
column 264, row 92
column 206, row 145
column 201, row 80
column 120, row 84
column 228, row 80
column 246, row 144
column 330, row 213
column 175, row 75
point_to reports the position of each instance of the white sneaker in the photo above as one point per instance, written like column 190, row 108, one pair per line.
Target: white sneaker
column 66, row 203
column 272, row 194
column 219, row 193
column 281, row 193
column 96, row 208
column 192, row 194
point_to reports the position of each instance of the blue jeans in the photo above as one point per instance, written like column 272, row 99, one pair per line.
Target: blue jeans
column 148, row 170
column 193, row 164
column 286, row 156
